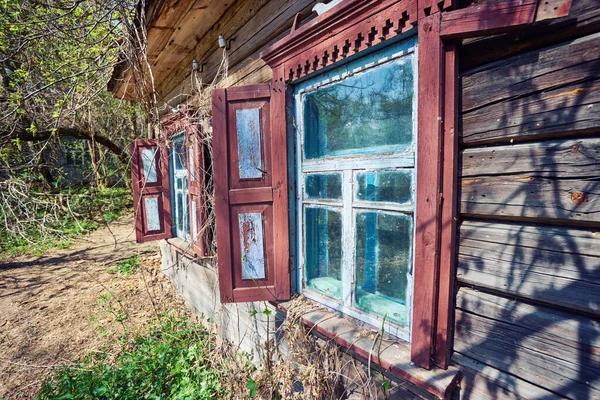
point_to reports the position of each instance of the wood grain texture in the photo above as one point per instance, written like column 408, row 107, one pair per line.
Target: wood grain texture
column 445, row 303
column 583, row 19
column 551, row 349
column 544, row 264
column 487, row 19
column 545, row 180
column 531, row 197
column 483, row 382
column 572, row 159
column 237, row 195
column 546, row 69
column 569, row 110
column 252, row 25
column 427, row 217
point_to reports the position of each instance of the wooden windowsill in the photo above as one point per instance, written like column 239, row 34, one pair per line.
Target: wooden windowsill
column 392, row 355
column 182, row 246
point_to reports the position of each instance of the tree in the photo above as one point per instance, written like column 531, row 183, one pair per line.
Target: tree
column 56, row 58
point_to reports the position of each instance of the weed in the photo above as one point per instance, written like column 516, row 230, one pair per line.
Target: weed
column 127, row 267
column 171, row 361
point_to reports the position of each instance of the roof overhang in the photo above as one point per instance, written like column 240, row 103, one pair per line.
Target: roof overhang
column 173, row 29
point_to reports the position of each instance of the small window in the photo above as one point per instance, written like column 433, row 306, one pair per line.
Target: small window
column 356, row 186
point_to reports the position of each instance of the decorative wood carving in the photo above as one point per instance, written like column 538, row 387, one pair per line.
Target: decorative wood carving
column 348, row 28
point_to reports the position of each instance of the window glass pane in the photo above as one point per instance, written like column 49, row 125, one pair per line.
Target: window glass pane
column 323, row 186
column 323, row 250
column 180, row 153
column 194, row 221
column 383, row 259
column 179, row 220
column 389, row 186
column 191, row 163
column 186, row 207
column 369, row 112
column 149, row 164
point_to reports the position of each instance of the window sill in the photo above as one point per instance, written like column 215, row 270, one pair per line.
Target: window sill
column 393, row 356
column 182, row 246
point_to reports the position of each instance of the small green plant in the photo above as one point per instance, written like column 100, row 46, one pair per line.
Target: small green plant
column 127, row 267
column 171, row 361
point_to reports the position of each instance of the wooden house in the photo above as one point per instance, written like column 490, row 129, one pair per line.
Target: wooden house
column 427, row 168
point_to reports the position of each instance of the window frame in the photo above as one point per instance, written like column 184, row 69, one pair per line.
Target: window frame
column 183, row 234
column 348, row 167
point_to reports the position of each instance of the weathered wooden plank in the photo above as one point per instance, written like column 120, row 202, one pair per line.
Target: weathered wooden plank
column 568, row 110
column 576, row 331
column 583, row 19
column 160, row 29
column 534, row 71
column 483, row 382
column 573, row 159
column 429, row 182
column 539, row 263
column 234, row 18
column 518, row 280
column 527, row 196
column 445, row 304
column 237, row 73
column 569, row 241
column 487, row 19
column 555, row 350
column 496, row 349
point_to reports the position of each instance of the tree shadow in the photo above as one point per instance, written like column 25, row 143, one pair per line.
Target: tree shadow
column 528, row 249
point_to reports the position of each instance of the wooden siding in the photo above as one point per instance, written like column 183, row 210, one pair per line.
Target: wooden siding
column 527, row 321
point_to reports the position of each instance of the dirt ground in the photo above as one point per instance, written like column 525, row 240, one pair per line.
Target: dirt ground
column 57, row 308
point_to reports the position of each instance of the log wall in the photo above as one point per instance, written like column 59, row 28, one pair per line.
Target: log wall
column 527, row 321
column 528, row 305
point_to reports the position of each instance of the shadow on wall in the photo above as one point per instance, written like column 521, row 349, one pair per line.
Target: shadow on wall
column 529, row 243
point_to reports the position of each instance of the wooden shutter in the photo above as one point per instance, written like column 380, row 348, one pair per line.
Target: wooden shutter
column 197, row 191
column 251, row 196
column 151, row 195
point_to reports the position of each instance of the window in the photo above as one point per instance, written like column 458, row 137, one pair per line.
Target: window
column 178, row 162
column 169, row 185
column 356, row 186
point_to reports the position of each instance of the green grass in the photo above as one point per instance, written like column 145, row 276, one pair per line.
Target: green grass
column 171, row 361
column 127, row 267
column 92, row 208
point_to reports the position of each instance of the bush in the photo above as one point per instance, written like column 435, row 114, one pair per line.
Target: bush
column 35, row 220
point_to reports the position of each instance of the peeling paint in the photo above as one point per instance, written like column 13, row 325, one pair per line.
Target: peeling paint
column 252, row 246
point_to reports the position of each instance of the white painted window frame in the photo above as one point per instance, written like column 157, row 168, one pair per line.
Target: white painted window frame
column 173, row 176
column 348, row 166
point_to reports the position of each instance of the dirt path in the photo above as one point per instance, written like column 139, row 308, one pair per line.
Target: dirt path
column 56, row 308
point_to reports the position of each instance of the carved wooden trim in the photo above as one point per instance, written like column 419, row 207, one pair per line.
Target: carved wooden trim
column 348, row 28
